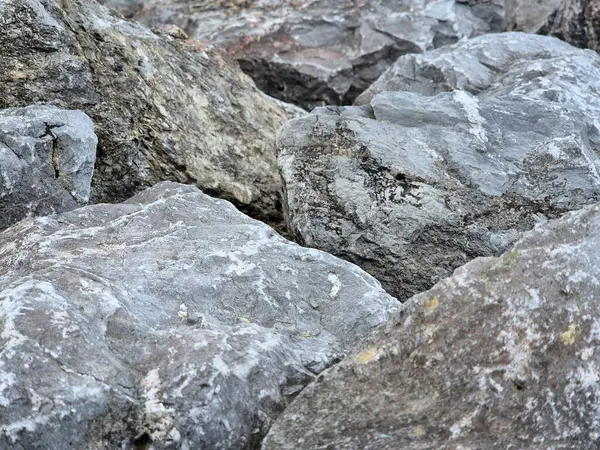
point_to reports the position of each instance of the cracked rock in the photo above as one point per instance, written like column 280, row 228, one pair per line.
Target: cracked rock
column 164, row 107
column 168, row 321
column 313, row 53
column 47, row 159
column 414, row 184
column 503, row 354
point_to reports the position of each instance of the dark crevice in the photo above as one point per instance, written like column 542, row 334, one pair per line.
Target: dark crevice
column 142, row 441
column 54, row 152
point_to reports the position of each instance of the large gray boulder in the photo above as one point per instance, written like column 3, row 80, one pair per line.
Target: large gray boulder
column 504, row 354
column 168, row 321
column 412, row 186
column 495, row 64
column 164, row 107
column 46, row 161
column 320, row 52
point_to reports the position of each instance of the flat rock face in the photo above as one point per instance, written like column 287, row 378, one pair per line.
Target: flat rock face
column 168, row 321
column 320, row 52
column 412, row 186
column 47, row 159
column 504, row 354
column 164, row 107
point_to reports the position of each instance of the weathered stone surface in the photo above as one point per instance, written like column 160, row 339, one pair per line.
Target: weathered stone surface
column 163, row 107
column 320, row 52
column 504, row 354
column 577, row 22
column 46, row 161
column 493, row 65
column 574, row 21
column 529, row 16
column 411, row 186
column 172, row 318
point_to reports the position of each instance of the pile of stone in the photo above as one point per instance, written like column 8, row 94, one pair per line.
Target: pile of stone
column 436, row 282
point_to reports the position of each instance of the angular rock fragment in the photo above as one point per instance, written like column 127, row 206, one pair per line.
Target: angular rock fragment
column 163, row 107
column 528, row 16
column 313, row 53
column 47, row 159
column 168, row 321
column 504, row 354
column 412, row 186
column 495, row 64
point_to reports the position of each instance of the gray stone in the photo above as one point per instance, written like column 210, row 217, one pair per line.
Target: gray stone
column 412, row 186
column 320, row 52
column 168, row 321
column 164, row 107
column 504, row 354
column 529, row 16
column 46, row 161
column 502, row 62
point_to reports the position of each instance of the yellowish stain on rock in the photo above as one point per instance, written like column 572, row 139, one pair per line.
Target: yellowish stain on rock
column 419, row 431
column 366, row 355
column 306, row 335
column 511, row 256
column 569, row 336
column 430, row 305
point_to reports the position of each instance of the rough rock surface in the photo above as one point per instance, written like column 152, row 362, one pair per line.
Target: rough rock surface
column 574, row 21
column 495, row 64
column 504, row 354
column 46, row 161
column 168, row 321
column 320, row 52
column 412, row 186
column 164, row 107
column 529, row 16
column 577, row 22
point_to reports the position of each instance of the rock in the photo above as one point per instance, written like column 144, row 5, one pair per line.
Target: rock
column 577, row 22
column 529, row 16
column 504, row 354
column 502, row 62
column 168, row 321
column 163, row 107
column 46, row 161
column 574, row 21
column 490, row 11
column 411, row 186
column 313, row 53
column 128, row 8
